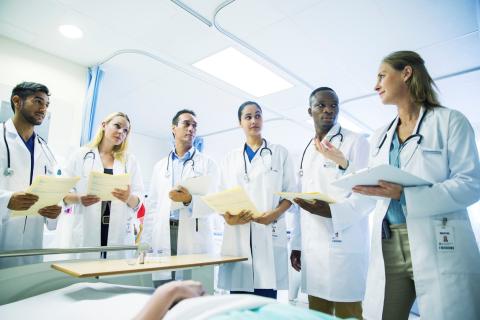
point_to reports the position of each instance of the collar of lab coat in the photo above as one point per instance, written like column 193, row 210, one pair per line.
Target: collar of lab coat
column 333, row 130
column 185, row 156
column 13, row 133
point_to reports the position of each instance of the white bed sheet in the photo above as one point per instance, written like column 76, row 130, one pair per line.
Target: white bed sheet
column 81, row 301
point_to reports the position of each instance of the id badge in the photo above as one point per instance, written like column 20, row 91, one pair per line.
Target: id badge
column 445, row 238
column 337, row 239
column 329, row 164
column 274, row 229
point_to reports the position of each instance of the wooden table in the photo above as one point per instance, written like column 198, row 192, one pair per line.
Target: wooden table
column 105, row 267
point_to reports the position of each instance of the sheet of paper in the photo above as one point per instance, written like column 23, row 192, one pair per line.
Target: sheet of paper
column 101, row 184
column 50, row 191
column 306, row 196
column 371, row 176
column 232, row 200
column 197, row 185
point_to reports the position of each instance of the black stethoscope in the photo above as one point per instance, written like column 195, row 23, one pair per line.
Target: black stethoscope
column 263, row 151
column 339, row 134
column 91, row 155
column 189, row 160
column 415, row 135
column 43, row 144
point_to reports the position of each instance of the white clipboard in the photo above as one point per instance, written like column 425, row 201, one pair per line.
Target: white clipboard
column 371, row 176
column 197, row 185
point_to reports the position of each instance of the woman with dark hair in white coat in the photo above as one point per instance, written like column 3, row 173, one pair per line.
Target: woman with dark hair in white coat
column 423, row 246
column 101, row 223
column 261, row 168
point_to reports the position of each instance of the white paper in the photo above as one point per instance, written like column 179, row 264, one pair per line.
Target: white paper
column 306, row 196
column 371, row 176
column 102, row 184
column 50, row 191
column 197, row 185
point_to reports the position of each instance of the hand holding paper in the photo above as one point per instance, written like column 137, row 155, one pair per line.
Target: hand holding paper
column 243, row 217
column 102, row 185
column 50, row 190
column 180, row 194
column 384, row 172
column 383, row 189
column 308, row 196
column 191, row 186
column 234, row 201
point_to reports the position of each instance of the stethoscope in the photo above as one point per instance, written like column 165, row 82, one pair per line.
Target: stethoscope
column 415, row 135
column 189, row 160
column 265, row 150
column 339, row 134
column 90, row 154
column 45, row 149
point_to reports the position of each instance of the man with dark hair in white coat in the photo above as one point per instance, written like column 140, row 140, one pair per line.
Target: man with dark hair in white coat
column 178, row 222
column 23, row 156
column 332, row 250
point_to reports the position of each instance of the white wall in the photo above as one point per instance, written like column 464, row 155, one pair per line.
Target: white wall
column 65, row 80
column 147, row 150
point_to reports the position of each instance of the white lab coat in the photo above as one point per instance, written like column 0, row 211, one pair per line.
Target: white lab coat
column 269, row 242
column 335, row 267
column 157, row 218
column 82, row 227
column 20, row 232
column 447, row 284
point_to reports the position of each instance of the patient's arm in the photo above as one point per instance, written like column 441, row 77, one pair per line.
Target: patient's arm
column 167, row 295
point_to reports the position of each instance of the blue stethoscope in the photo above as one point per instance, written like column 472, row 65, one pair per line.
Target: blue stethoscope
column 413, row 136
column 45, row 149
column 189, row 160
column 264, row 151
column 339, row 134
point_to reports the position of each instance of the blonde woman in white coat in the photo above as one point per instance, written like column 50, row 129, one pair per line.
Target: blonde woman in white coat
column 101, row 223
column 428, row 250
column 262, row 169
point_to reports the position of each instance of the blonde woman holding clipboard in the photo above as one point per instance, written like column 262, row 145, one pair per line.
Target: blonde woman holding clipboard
column 100, row 223
column 423, row 245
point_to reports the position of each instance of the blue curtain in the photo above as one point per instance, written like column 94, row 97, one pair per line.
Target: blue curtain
column 95, row 75
column 198, row 143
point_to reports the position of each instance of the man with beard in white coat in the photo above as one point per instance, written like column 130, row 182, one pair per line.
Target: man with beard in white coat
column 176, row 221
column 331, row 247
column 23, row 156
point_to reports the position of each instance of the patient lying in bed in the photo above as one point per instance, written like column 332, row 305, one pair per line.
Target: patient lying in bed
column 192, row 304
column 176, row 300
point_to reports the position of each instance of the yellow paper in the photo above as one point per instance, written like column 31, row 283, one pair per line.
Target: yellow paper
column 308, row 196
column 232, row 200
column 102, row 184
column 50, row 191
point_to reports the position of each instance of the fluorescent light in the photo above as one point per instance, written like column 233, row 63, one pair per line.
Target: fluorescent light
column 70, row 31
column 239, row 70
